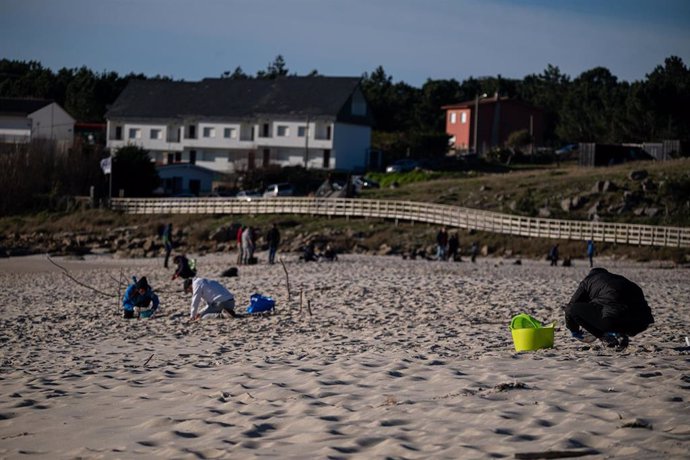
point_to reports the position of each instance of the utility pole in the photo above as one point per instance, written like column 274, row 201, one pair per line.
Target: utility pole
column 476, row 119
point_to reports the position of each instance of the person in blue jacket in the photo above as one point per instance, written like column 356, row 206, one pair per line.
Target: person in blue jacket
column 139, row 295
column 590, row 252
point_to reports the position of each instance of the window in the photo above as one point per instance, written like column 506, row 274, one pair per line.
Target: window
column 302, row 131
column 265, row 130
column 283, row 131
column 326, row 159
column 192, row 157
column 118, row 133
column 229, row 133
column 453, row 118
column 209, row 132
column 463, row 117
column 134, row 133
column 191, row 131
column 156, row 134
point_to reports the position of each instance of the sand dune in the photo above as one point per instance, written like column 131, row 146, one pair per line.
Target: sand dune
column 400, row 359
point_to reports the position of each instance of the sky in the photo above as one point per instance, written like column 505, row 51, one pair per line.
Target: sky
column 413, row 40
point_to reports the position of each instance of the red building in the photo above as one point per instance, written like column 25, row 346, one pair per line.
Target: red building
column 493, row 119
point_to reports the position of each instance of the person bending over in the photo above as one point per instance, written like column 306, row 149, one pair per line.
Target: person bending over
column 139, row 295
column 183, row 269
column 608, row 306
column 216, row 297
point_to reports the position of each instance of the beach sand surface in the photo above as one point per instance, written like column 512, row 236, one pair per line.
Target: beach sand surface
column 398, row 359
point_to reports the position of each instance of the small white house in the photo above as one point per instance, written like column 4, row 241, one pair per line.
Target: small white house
column 231, row 125
column 184, row 178
column 25, row 120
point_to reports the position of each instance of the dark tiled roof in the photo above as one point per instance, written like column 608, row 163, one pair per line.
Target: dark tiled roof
column 229, row 98
column 19, row 106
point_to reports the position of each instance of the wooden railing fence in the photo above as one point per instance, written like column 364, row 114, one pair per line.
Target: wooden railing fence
column 450, row 216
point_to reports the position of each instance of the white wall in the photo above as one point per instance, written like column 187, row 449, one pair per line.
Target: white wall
column 348, row 145
column 52, row 122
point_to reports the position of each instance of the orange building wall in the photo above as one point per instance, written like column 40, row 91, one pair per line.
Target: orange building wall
column 461, row 131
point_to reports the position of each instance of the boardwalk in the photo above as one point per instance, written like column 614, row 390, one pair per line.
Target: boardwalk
column 450, row 216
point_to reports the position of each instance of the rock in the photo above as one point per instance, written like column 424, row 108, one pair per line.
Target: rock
column 603, row 186
column 648, row 185
column 638, row 174
column 384, row 250
column 544, row 212
column 651, row 212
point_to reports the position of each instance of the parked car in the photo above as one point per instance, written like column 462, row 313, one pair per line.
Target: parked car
column 566, row 149
column 282, row 189
column 402, row 166
column 248, row 195
column 361, row 182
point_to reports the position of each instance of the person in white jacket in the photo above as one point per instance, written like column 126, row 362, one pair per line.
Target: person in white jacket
column 216, row 297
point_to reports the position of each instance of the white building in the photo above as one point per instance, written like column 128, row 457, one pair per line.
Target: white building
column 231, row 125
column 25, row 120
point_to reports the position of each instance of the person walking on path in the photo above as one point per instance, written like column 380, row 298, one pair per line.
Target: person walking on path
column 167, row 243
column 441, row 244
column 610, row 307
column 453, row 246
column 247, row 245
column 217, row 298
column 240, row 252
column 553, row 255
column 273, row 240
column 590, row 252
column 474, row 250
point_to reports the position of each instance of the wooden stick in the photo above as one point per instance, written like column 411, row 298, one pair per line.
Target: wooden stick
column 147, row 361
column 309, row 306
column 556, row 454
column 287, row 281
column 66, row 273
column 301, row 296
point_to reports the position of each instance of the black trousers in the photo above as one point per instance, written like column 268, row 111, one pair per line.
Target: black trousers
column 590, row 317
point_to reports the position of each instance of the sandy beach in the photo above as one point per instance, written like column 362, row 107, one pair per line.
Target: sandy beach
column 399, row 359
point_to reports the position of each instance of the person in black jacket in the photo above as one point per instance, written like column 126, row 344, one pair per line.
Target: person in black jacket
column 183, row 268
column 608, row 306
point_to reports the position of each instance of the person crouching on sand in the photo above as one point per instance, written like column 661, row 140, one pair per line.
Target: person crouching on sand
column 217, row 298
column 139, row 295
column 608, row 306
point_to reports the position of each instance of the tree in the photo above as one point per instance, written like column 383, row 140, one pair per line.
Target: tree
column 546, row 91
column 134, row 172
column 666, row 94
column 237, row 74
column 275, row 69
column 589, row 108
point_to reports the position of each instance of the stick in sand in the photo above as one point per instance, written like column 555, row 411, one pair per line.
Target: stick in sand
column 66, row 273
column 287, row 282
column 309, row 306
column 556, row 454
column 147, row 361
column 301, row 296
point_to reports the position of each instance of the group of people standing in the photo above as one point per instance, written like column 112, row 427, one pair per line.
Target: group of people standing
column 448, row 246
column 554, row 254
column 246, row 244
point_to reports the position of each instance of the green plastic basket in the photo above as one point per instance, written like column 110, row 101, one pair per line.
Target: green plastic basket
column 529, row 334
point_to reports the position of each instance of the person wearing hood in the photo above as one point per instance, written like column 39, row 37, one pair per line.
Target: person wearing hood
column 610, row 307
column 217, row 298
column 139, row 295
